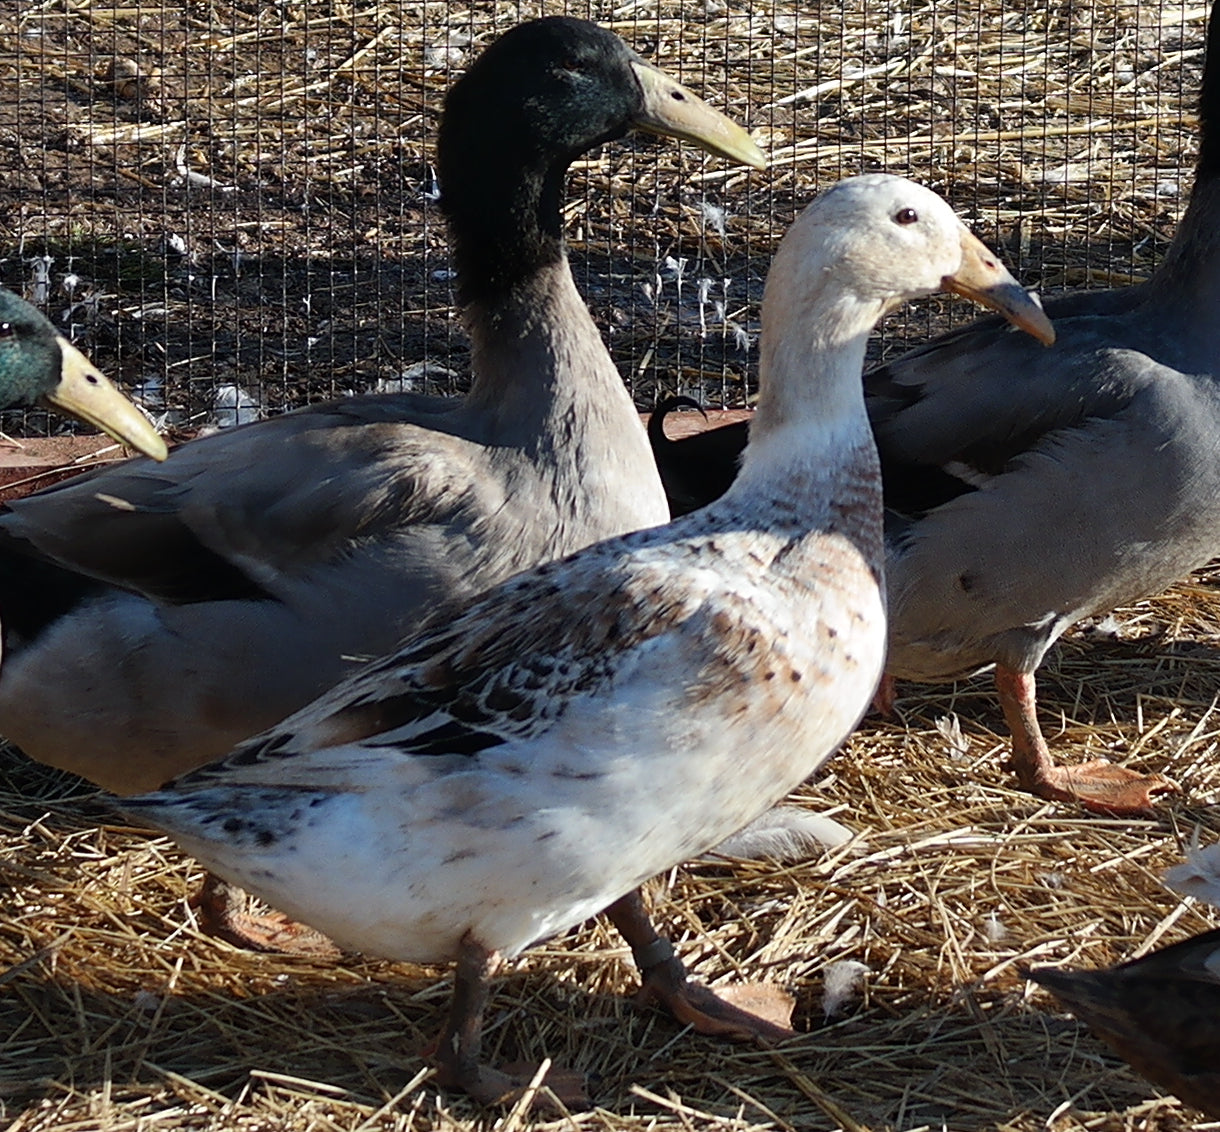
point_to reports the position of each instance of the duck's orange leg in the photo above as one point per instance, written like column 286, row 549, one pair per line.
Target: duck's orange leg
column 885, row 697
column 756, row 1011
column 1098, row 785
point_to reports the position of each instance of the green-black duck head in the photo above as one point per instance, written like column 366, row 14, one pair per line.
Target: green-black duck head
column 39, row 366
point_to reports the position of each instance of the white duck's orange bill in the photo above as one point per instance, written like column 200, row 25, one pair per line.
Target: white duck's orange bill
column 983, row 278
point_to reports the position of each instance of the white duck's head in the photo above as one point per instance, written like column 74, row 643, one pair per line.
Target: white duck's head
column 860, row 249
column 875, row 241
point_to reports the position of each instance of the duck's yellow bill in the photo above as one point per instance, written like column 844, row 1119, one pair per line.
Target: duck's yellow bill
column 672, row 110
column 83, row 392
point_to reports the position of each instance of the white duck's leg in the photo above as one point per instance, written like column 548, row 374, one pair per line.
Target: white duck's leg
column 1098, row 785
column 765, row 1009
column 456, row 1051
column 224, row 913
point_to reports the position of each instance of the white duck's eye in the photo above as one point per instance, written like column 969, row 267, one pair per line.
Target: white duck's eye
column 906, row 216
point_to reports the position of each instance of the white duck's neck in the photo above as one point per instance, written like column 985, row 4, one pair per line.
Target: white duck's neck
column 811, row 465
column 811, row 412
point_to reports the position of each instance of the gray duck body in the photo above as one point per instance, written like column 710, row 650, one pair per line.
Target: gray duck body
column 1065, row 482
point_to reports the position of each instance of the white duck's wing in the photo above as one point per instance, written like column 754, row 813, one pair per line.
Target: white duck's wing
column 518, row 767
column 503, row 669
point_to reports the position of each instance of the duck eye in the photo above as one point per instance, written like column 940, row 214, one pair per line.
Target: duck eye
column 7, row 330
column 906, row 216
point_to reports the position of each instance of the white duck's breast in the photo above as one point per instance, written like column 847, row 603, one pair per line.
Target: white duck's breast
column 695, row 733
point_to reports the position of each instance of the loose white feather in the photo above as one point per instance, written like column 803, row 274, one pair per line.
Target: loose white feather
column 1199, row 875
column 785, row 834
column 840, row 983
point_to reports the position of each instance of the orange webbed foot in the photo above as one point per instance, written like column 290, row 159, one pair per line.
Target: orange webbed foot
column 1104, row 788
column 745, row 1012
column 506, row 1085
column 224, row 913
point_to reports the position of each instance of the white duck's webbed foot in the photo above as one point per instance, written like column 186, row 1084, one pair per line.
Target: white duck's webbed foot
column 750, row 1012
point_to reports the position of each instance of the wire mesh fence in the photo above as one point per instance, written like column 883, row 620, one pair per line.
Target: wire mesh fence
column 232, row 206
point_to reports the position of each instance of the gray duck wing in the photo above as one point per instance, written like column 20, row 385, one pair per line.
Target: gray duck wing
column 1098, row 511
column 964, row 406
column 496, row 668
column 243, row 514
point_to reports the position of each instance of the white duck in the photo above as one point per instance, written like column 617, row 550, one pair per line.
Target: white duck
column 531, row 760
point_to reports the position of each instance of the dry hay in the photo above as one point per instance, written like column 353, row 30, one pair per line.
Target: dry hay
column 242, row 193
column 115, row 1013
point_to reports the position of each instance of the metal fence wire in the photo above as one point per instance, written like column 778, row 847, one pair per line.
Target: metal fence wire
column 232, row 207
